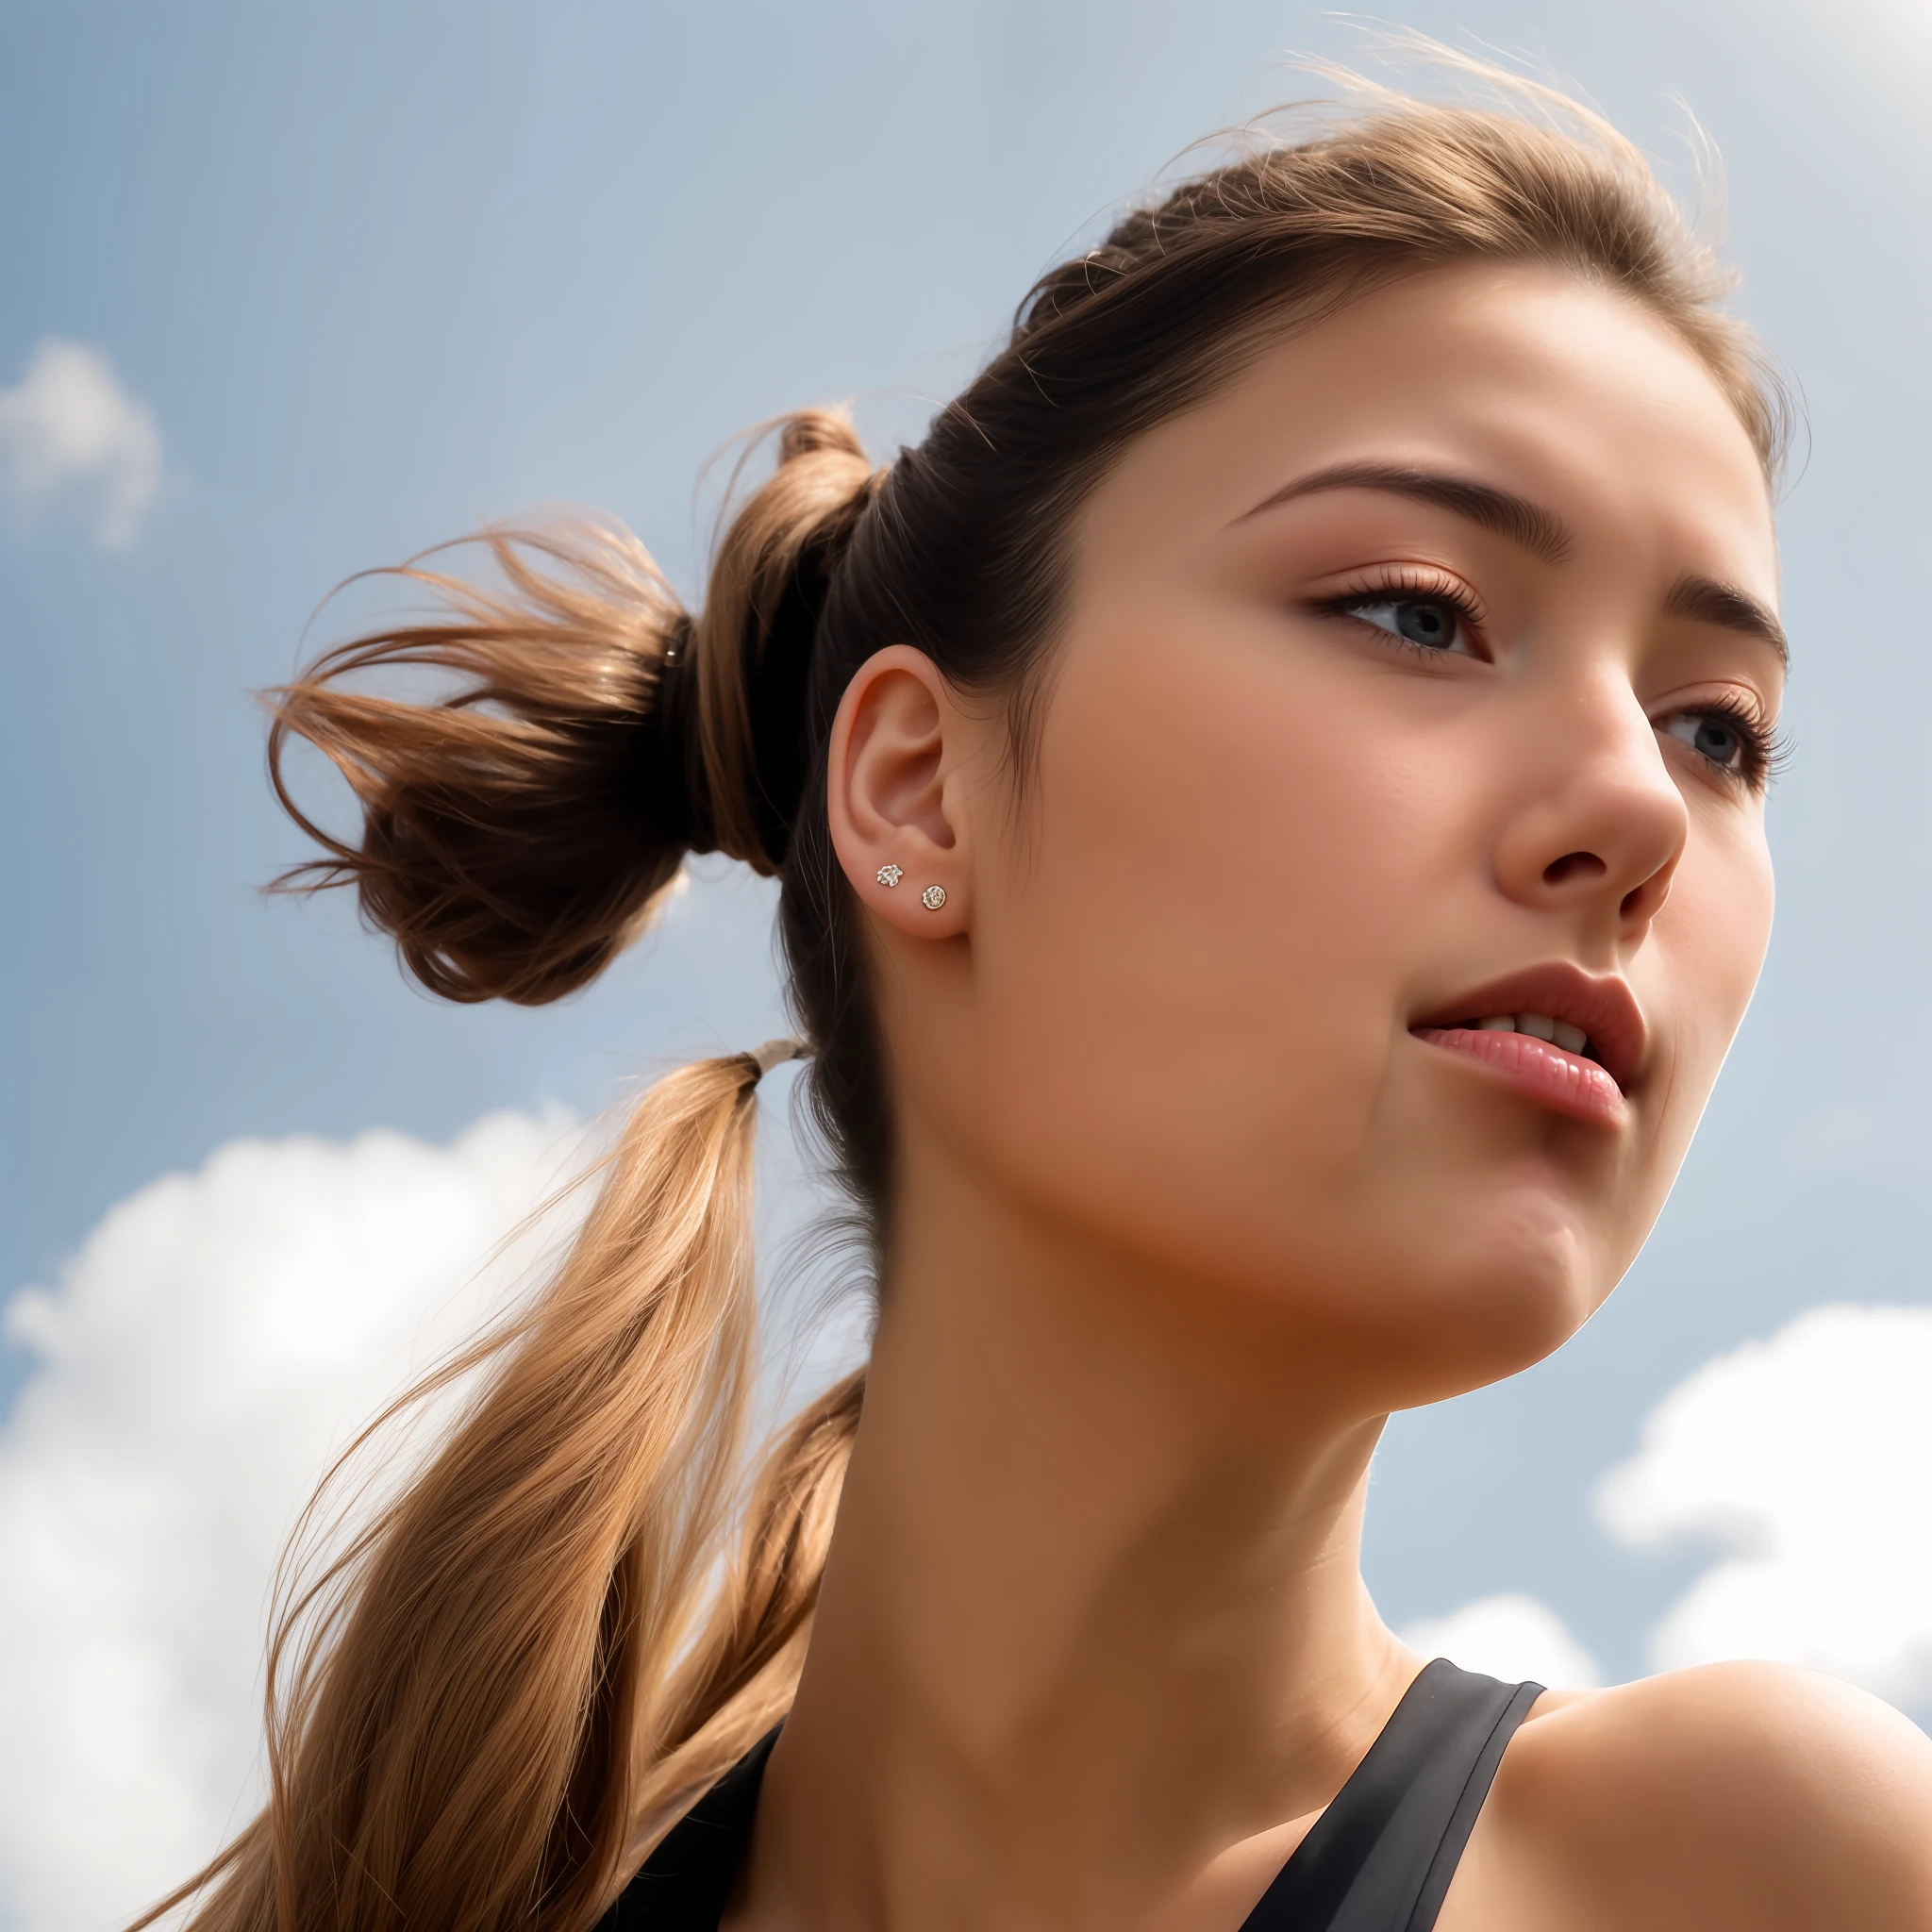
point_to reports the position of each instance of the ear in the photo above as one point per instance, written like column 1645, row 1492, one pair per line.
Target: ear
column 893, row 797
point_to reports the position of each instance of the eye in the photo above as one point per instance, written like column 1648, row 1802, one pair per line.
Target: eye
column 1720, row 736
column 1731, row 740
column 1434, row 624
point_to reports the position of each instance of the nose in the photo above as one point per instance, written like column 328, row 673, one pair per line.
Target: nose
column 1600, row 829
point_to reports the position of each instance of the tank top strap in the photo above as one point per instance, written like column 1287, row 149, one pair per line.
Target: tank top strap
column 1380, row 1857
column 1378, row 1860
column 686, row 1883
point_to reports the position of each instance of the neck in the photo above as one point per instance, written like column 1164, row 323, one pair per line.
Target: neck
column 1093, row 1634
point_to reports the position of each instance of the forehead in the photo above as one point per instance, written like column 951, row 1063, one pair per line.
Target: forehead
column 1533, row 378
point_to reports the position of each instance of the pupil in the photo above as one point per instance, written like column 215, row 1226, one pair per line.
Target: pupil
column 1424, row 623
column 1716, row 741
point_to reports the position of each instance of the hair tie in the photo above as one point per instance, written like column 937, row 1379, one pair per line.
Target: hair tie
column 774, row 1052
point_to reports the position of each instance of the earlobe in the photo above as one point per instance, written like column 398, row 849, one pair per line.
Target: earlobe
column 894, row 745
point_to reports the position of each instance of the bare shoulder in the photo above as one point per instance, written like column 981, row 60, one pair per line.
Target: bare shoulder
column 1736, row 1794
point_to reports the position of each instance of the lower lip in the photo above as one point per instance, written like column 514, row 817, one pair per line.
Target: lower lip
column 1564, row 1082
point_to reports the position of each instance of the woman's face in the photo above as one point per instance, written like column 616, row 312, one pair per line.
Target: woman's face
column 1407, row 729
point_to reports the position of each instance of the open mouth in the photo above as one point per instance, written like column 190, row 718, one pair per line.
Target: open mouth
column 1567, row 1040
column 1537, row 1027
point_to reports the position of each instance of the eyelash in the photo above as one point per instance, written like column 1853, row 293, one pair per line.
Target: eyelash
column 1408, row 581
column 1766, row 752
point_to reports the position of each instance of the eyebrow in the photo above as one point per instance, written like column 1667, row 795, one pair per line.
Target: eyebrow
column 1702, row 599
column 1706, row 601
column 1522, row 522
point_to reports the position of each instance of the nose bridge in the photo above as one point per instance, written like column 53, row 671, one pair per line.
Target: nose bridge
column 1602, row 822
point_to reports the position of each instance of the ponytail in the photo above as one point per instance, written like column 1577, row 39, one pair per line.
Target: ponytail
column 510, row 1682
column 523, row 1670
column 516, row 835
column 507, row 845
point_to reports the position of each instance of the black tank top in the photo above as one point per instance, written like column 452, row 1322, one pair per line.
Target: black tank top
column 1378, row 1860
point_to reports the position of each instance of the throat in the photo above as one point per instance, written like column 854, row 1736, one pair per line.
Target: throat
column 1073, row 1652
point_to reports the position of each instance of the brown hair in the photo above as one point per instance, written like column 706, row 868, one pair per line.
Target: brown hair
column 523, row 1670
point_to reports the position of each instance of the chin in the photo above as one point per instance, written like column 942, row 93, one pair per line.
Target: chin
column 1480, row 1301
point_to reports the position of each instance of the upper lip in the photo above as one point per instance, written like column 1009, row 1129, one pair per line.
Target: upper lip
column 1601, row 1004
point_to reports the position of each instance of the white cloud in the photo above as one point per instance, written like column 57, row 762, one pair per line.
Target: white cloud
column 69, row 432
column 1512, row 1637
column 1810, row 1458
column 215, row 1338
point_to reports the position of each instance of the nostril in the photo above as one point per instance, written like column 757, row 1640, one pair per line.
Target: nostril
column 1573, row 865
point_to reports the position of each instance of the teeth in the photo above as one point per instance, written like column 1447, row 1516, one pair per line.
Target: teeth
column 1538, row 1026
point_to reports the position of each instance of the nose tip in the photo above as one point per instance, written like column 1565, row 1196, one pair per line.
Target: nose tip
column 1601, row 834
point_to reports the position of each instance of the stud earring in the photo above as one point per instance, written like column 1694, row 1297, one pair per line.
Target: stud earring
column 933, row 899
column 891, row 874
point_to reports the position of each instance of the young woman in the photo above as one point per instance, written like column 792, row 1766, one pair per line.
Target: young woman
column 1269, row 804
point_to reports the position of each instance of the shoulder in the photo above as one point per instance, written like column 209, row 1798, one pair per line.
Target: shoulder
column 1736, row 1794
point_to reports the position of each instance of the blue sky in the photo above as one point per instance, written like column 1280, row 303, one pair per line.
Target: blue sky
column 379, row 272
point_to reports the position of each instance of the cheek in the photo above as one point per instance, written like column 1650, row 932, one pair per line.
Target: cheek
column 1190, row 983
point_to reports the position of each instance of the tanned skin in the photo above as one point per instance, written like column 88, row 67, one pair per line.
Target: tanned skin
column 1186, row 1208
